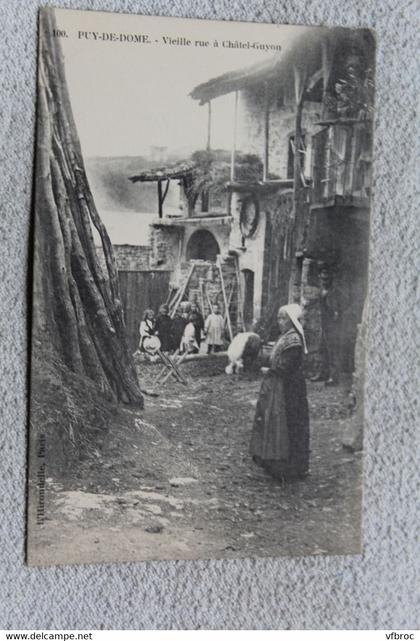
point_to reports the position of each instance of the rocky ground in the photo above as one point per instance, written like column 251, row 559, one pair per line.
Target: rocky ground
column 176, row 481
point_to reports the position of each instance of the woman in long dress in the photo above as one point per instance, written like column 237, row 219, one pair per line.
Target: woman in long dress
column 280, row 435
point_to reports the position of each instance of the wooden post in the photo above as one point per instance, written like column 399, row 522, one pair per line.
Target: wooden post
column 326, row 67
column 172, row 366
column 182, row 291
column 208, row 301
column 327, row 57
column 174, row 301
column 299, row 91
column 200, row 284
column 297, row 164
column 209, row 125
column 229, row 299
column 240, row 301
column 163, row 370
column 171, row 371
column 266, row 133
column 225, row 301
column 160, row 198
column 171, row 291
column 295, row 276
column 166, row 190
column 235, row 127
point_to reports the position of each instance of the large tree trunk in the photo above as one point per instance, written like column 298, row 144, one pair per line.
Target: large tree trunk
column 77, row 308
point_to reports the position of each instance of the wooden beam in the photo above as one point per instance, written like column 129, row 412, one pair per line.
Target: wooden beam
column 164, row 370
column 229, row 300
column 208, row 300
column 225, row 301
column 166, row 190
column 235, row 128
column 200, row 283
column 300, row 86
column 240, row 319
column 171, row 370
column 327, row 60
column 297, row 168
column 295, row 275
column 266, row 133
column 209, row 125
column 160, row 199
column 182, row 291
column 172, row 365
column 203, row 357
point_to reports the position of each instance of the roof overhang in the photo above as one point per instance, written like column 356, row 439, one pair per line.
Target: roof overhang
column 304, row 54
column 177, row 171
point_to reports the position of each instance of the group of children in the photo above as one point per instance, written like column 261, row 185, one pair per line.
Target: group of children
column 185, row 332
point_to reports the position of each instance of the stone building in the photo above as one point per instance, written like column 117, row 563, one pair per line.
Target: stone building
column 307, row 115
column 290, row 196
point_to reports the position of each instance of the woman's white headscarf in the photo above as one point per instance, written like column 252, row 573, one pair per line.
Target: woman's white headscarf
column 294, row 312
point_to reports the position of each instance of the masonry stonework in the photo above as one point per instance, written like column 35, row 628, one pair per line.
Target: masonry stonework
column 251, row 137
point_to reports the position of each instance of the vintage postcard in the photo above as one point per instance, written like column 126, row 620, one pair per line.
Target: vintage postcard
column 202, row 205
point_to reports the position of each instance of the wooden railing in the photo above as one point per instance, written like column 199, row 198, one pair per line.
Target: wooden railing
column 341, row 164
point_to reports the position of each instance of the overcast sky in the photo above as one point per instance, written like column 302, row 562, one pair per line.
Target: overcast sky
column 127, row 97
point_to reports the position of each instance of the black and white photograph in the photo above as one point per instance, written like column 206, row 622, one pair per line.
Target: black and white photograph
column 202, row 196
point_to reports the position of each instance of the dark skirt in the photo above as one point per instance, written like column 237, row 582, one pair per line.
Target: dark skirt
column 164, row 331
column 280, row 435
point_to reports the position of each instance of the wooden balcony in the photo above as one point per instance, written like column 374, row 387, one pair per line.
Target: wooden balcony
column 341, row 164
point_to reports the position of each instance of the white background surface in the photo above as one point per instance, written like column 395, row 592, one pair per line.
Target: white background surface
column 376, row 590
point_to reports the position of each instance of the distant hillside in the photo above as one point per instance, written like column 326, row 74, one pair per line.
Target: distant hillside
column 108, row 179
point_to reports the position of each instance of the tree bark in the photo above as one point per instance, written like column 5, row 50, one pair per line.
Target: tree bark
column 77, row 306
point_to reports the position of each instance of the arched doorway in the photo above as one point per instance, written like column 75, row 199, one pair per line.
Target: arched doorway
column 202, row 245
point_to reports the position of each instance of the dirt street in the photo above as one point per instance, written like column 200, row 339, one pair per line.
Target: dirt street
column 177, row 482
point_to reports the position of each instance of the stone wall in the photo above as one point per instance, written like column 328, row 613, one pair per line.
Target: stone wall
column 250, row 250
column 250, row 137
column 132, row 258
column 338, row 238
column 142, row 285
column 279, row 254
column 165, row 246
column 268, row 252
